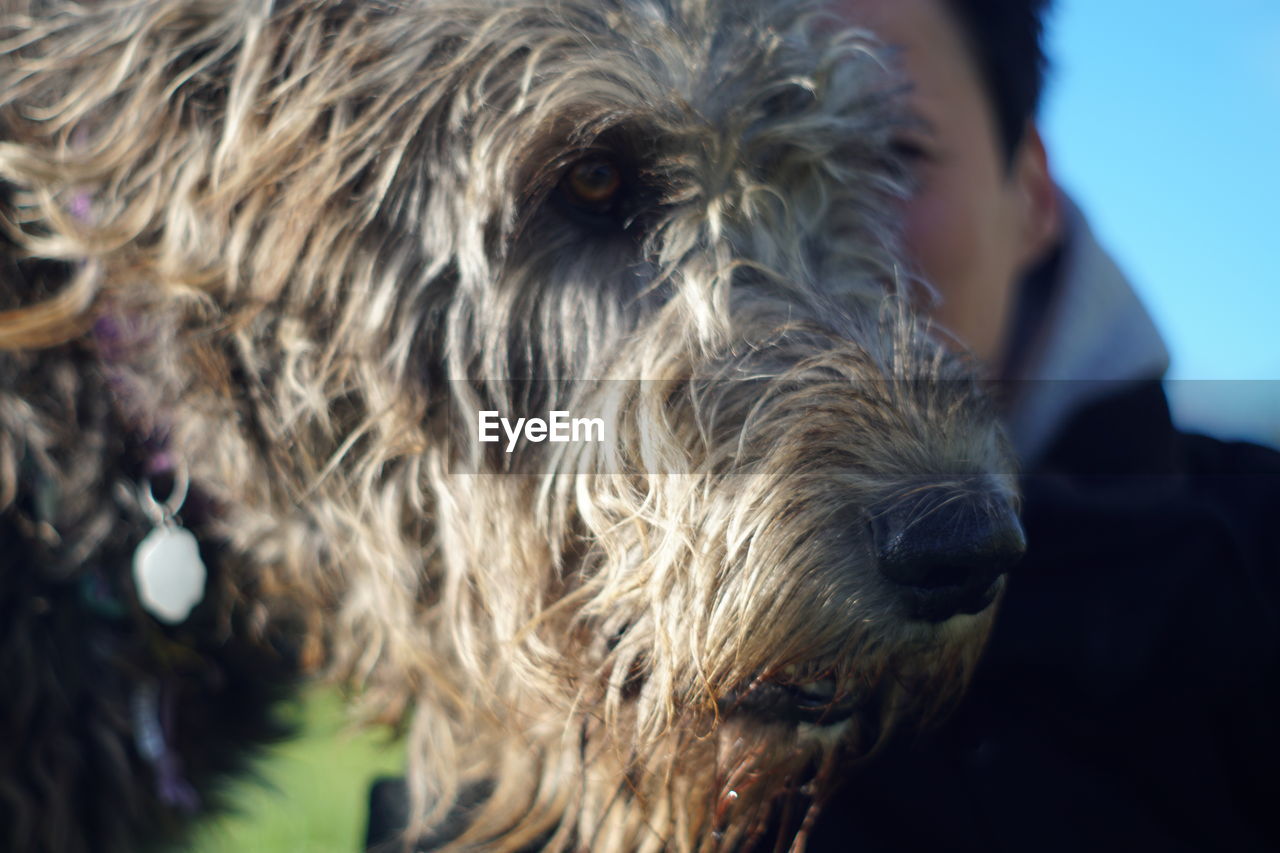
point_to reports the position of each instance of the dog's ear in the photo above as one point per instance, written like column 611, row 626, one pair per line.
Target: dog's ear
column 248, row 179
column 227, row 155
column 236, row 192
column 92, row 136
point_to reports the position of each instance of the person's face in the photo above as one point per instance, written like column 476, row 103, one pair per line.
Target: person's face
column 976, row 222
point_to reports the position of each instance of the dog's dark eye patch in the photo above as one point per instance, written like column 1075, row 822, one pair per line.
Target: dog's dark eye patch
column 599, row 181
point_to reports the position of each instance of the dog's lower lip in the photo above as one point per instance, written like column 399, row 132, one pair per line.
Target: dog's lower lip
column 937, row 604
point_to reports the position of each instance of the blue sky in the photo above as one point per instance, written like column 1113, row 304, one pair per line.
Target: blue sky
column 1163, row 120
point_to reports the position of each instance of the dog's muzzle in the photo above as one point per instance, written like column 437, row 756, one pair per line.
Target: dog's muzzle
column 944, row 553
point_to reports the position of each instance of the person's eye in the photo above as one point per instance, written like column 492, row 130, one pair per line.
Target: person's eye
column 910, row 150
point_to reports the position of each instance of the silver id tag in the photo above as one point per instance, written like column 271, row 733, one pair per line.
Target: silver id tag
column 169, row 574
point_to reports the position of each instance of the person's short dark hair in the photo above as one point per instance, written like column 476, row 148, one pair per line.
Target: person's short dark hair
column 1006, row 40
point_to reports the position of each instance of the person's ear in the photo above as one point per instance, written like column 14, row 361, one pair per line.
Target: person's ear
column 1040, row 210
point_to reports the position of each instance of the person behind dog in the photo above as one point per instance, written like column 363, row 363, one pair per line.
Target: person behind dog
column 1129, row 691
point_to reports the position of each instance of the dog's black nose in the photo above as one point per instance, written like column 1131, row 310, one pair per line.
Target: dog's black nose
column 944, row 552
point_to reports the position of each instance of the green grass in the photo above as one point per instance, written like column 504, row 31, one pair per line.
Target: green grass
column 313, row 792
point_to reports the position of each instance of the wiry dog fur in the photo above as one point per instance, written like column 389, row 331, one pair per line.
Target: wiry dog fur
column 315, row 230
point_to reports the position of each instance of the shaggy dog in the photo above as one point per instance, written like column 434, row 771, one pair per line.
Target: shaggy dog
column 273, row 265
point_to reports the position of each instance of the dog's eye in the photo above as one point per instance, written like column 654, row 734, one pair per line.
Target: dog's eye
column 593, row 183
column 602, row 191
